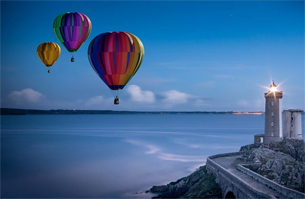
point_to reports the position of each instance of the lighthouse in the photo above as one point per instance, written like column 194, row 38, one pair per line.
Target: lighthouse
column 273, row 115
column 293, row 123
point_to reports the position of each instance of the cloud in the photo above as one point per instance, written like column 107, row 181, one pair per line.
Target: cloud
column 94, row 101
column 176, row 97
column 140, row 96
column 171, row 98
column 26, row 95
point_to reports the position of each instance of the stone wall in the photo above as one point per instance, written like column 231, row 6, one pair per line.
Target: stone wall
column 226, row 154
column 229, row 182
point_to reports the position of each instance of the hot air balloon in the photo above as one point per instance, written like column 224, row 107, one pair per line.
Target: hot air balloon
column 116, row 57
column 72, row 29
column 48, row 53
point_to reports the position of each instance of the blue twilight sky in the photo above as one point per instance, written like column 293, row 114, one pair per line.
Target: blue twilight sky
column 199, row 56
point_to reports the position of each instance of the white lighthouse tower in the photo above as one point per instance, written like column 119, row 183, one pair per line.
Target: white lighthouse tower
column 293, row 123
column 273, row 115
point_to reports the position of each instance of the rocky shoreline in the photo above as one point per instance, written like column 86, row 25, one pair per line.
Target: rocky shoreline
column 200, row 184
column 282, row 162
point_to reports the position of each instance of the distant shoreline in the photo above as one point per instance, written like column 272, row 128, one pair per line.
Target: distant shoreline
column 14, row 111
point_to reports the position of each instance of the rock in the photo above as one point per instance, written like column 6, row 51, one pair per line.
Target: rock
column 159, row 189
column 248, row 147
column 199, row 184
column 205, row 188
column 282, row 162
column 293, row 147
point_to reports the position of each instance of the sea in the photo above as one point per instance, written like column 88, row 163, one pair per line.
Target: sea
column 112, row 155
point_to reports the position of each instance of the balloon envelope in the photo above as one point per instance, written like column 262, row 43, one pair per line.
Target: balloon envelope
column 72, row 29
column 48, row 53
column 116, row 57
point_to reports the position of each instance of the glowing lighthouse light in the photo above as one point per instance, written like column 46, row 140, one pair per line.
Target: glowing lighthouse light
column 273, row 87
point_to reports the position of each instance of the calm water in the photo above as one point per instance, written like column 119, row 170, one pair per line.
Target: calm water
column 117, row 156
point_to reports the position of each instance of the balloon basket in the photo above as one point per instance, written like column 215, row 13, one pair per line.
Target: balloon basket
column 116, row 101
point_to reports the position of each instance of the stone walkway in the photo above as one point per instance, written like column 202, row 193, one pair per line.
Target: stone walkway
column 228, row 164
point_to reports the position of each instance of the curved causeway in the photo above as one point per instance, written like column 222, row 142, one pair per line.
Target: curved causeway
column 237, row 184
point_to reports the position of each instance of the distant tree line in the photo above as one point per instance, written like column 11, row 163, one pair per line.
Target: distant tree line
column 13, row 111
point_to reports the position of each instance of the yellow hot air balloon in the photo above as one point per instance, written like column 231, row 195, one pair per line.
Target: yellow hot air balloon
column 48, row 53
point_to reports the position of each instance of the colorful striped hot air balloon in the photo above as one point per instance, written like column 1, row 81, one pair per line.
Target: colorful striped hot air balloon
column 116, row 57
column 48, row 53
column 72, row 29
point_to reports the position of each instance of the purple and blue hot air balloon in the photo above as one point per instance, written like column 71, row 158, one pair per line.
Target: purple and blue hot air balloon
column 72, row 29
column 116, row 57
